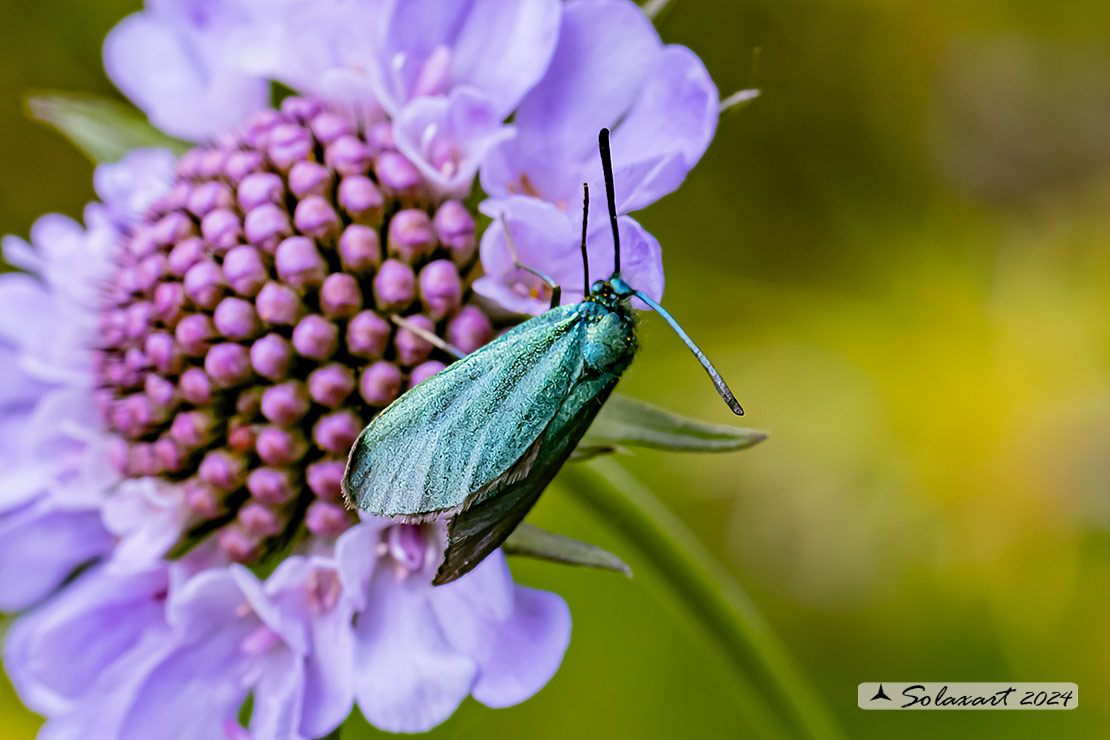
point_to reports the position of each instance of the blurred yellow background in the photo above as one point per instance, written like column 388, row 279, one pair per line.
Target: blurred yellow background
column 899, row 256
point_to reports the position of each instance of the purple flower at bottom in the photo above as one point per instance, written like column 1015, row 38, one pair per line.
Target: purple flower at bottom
column 420, row 650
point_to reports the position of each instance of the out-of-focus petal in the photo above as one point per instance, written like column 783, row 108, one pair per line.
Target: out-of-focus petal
column 56, row 653
column 40, row 545
column 131, row 185
column 329, row 664
column 446, row 137
column 278, row 697
column 185, row 90
column 148, row 515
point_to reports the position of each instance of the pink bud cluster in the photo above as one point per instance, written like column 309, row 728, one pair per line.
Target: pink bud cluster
column 247, row 337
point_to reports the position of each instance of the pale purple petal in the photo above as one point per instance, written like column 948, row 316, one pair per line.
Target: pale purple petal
column 675, row 115
column 56, row 653
column 356, row 556
column 606, row 51
column 148, row 516
column 528, row 651
column 547, row 240
column 130, row 186
column 641, row 256
column 278, row 697
column 429, row 47
column 408, row 678
column 110, row 697
column 202, row 682
column 517, row 635
column 329, row 671
column 186, row 87
column 446, row 137
column 40, row 545
column 504, row 48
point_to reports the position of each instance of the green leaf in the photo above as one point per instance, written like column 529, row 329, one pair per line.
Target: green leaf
column 103, row 130
column 627, row 421
column 531, row 541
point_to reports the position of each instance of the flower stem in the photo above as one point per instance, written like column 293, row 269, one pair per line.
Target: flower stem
column 706, row 589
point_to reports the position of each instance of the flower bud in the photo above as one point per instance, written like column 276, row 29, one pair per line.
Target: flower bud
column 325, row 478
column 440, row 288
column 360, row 249
column 222, row 470
column 469, row 329
column 194, row 333
column 309, row 178
column 315, row 217
column 380, row 383
column 299, row 264
column 347, row 155
column 235, row 319
column 285, row 403
column 288, row 143
column 331, row 384
column 208, row 196
column 411, row 236
column 278, row 447
column 394, row 286
column 455, row 229
column 184, row 255
column 423, row 371
column 271, row 356
column 336, row 432
column 244, row 270
column 271, row 486
column 196, row 386
column 278, row 304
column 340, row 296
column 259, row 520
column 204, row 284
column 326, row 519
column 228, row 364
column 315, row 337
column 260, row 188
column 328, row 126
column 361, row 199
column 221, row 228
column 398, row 175
column 169, row 302
column 411, row 347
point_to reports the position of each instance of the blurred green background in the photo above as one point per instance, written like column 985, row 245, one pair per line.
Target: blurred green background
column 900, row 258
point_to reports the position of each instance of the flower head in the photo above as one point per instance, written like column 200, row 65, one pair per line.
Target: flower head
column 186, row 372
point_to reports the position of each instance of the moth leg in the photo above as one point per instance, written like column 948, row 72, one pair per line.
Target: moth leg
column 427, row 336
column 556, row 289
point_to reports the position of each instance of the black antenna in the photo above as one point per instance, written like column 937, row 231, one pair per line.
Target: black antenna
column 585, row 255
column 718, row 382
column 607, row 167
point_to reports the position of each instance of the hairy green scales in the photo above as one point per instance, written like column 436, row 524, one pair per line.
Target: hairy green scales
column 445, row 444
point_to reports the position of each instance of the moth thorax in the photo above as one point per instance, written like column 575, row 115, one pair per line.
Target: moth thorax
column 610, row 342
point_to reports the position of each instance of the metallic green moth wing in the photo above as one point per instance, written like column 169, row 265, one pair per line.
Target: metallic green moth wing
column 480, row 528
column 463, row 428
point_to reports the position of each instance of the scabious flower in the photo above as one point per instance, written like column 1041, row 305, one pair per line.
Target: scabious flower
column 186, row 371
